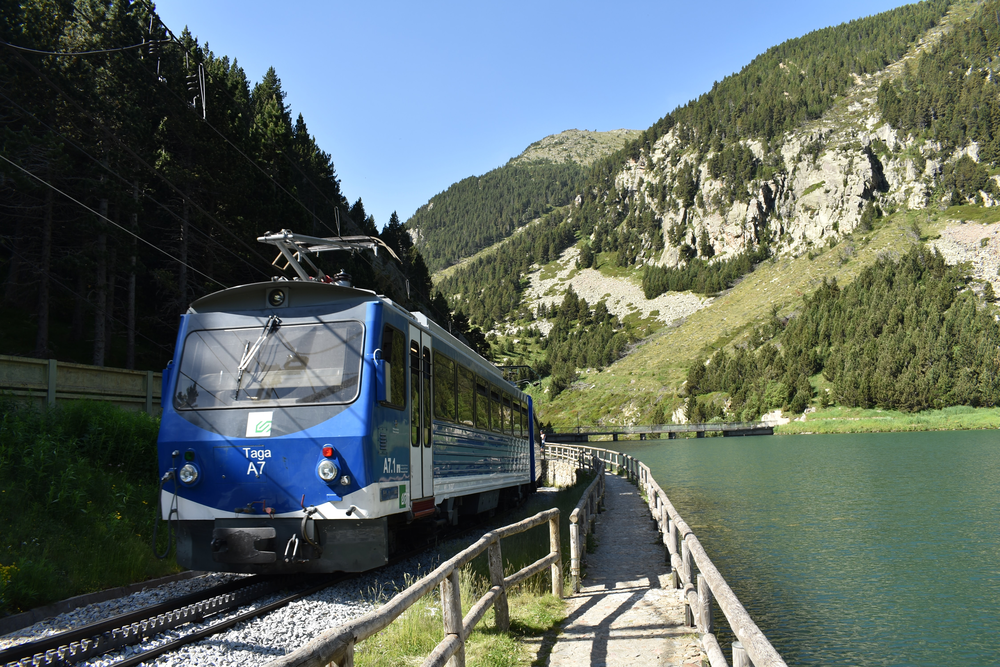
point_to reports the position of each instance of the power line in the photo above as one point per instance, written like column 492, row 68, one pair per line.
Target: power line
column 114, row 137
column 121, row 178
column 109, row 220
column 85, row 53
column 426, row 297
column 72, row 291
column 184, row 195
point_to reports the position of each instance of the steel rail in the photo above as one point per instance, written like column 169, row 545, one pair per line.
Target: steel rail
column 130, row 628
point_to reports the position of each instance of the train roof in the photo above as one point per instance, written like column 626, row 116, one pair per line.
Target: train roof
column 298, row 293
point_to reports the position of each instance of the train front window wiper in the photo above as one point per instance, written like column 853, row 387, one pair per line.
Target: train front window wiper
column 250, row 352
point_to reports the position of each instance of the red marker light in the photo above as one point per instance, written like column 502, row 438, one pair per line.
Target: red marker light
column 328, row 451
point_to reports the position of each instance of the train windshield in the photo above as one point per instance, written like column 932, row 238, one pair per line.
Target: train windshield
column 281, row 365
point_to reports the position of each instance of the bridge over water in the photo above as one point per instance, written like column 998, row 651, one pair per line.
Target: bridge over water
column 728, row 429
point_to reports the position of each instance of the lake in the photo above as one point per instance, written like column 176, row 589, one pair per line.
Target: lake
column 874, row 549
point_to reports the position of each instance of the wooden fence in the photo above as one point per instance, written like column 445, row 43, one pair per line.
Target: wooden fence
column 581, row 519
column 46, row 382
column 336, row 645
column 686, row 553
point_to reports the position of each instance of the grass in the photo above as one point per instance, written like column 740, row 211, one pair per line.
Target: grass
column 813, row 188
column 859, row 420
column 418, row 631
column 534, row 612
column 78, row 492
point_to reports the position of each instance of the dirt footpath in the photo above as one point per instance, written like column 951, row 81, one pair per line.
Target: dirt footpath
column 625, row 612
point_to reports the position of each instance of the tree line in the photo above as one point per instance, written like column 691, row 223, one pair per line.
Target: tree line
column 950, row 95
column 907, row 334
column 138, row 169
column 479, row 211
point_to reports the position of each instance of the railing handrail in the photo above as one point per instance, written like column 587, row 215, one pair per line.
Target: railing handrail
column 662, row 428
column 751, row 638
column 336, row 645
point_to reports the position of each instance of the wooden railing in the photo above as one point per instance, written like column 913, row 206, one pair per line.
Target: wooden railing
column 686, row 553
column 581, row 519
column 336, row 645
column 46, row 381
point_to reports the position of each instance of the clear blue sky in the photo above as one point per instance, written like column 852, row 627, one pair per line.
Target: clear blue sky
column 410, row 97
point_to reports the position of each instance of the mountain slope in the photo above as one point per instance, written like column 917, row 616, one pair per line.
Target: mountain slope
column 856, row 178
column 481, row 210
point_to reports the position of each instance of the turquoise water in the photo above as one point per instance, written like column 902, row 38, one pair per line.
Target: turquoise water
column 877, row 549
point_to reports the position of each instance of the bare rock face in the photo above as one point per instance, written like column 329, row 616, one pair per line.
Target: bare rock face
column 829, row 171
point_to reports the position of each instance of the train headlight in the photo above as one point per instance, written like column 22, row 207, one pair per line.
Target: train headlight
column 327, row 470
column 188, row 474
column 276, row 298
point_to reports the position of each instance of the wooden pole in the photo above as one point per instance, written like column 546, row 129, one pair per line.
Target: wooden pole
column 501, row 611
column 704, row 606
column 574, row 555
column 556, row 548
column 451, row 611
column 740, row 657
column 688, row 562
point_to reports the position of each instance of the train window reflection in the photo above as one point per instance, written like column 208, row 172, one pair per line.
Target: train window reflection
column 284, row 366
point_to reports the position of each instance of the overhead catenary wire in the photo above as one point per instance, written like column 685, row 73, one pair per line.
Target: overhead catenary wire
column 426, row 297
column 86, row 53
column 83, row 297
column 109, row 220
column 178, row 190
column 117, row 140
column 169, row 211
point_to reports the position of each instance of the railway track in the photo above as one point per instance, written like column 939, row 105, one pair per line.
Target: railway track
column 72, row 646
column 112, row 634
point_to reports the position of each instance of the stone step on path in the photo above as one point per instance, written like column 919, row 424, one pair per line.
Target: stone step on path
column 626, row 613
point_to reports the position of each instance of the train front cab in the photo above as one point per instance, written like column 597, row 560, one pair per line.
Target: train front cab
column 259, row 505
column 300, row 493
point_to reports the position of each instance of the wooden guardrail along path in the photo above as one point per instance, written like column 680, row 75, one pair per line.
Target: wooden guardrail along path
column 336, row 646
column 727, row 429
column 46, row 382
column 691, row 570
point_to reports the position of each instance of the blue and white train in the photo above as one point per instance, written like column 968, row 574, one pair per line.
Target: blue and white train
column 309, row 425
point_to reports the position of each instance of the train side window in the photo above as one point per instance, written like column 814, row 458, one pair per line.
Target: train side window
column 519, row 418
column 414, row 393
column 426, row 411
column 482, row 404
column 508, row 421
column 466, row 396
column 496, row 415
column 394, row 358
column 444, row 387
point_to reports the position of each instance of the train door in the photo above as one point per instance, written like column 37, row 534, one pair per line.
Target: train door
column 421, row 404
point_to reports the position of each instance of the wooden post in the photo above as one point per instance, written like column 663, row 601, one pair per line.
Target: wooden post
column 688, row 562
column 740, row 657
column 664, row 523
column 689, row 619
column 51, row 393
column 704, row 606
column 149, row 392
column 556, row 548
column 574, row 557
column 670, row 539
column 500, row 608
column 348, row 660
column 451, row 611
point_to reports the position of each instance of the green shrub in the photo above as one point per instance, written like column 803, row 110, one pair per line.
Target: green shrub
column 78, row 490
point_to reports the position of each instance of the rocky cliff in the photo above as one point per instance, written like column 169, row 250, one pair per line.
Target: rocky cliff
column 803, row 190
